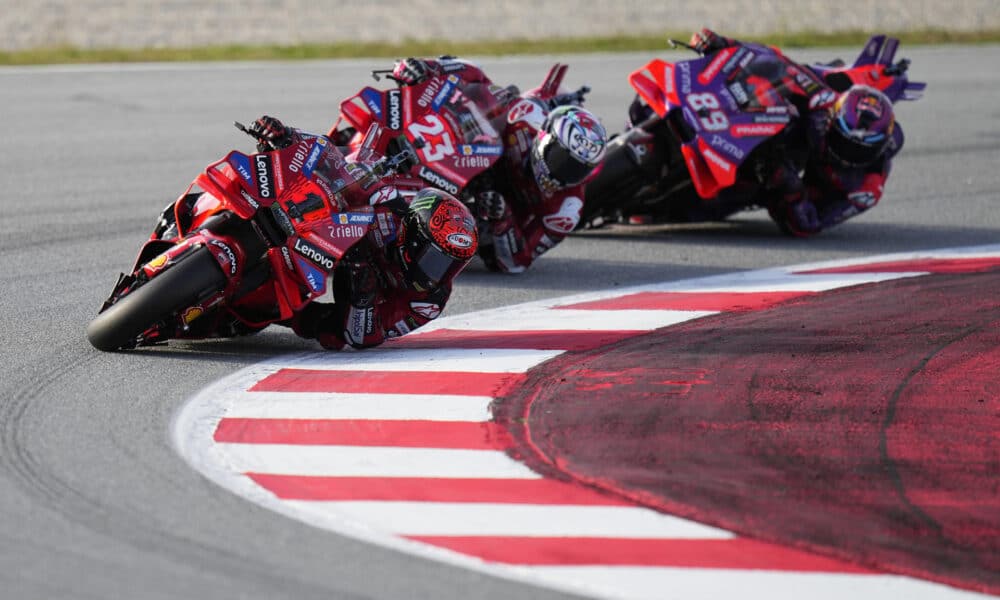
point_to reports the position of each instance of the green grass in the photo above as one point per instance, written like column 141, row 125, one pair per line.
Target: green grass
column 64, row 55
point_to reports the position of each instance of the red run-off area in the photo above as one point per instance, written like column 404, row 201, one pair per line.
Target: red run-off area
column 798, row 442
column 861, row 423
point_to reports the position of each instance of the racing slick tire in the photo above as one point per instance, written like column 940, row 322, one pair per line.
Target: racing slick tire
column 174, row 289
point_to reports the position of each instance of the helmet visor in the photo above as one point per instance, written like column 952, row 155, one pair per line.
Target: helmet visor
column 856, row 151
column 431, row 265
column 562, row 165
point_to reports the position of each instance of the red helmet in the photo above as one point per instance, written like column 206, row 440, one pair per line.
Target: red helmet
column 437, row 240
column 862, row 126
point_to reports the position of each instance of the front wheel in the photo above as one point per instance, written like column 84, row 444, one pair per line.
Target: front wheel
column 174, row 289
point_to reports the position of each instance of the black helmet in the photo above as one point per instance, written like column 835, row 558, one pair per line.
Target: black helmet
column 437, row 240
column 862, row 126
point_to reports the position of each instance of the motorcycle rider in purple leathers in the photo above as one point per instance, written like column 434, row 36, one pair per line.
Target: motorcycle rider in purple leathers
column 833, row 160
column 533, row 198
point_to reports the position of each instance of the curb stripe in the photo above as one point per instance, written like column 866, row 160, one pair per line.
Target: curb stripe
column 414, row 434
column 389, row 382
column 508, row 521
column 472, row 339
column 544, row 319
column 417, row 489
column 692, row 583
column 930, row 265
column 441, row 360
column 318, row 405
column 371, row 461
column 710, row 301
column 735, row 553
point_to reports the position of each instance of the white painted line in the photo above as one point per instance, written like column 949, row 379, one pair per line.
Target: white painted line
column 544, row 319
column 439, row 359
column 318, row 405
column 366, row 461
column 779, row 281
column 522, row 520
column 661, row 583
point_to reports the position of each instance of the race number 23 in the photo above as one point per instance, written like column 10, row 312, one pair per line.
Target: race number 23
column 437, row 140
column 709, row 111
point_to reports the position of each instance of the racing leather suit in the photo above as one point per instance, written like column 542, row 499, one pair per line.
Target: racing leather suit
column 533, row 218
column 804, row 189
column 372, row 298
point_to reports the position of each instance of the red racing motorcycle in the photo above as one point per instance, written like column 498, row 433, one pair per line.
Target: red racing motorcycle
column 696, row 127
column 257, row 238
column 454, row 127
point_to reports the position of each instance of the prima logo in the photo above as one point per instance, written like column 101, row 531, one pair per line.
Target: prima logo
column 730, row 148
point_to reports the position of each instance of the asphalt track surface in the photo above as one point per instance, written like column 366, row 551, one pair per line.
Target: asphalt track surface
column 96, row 503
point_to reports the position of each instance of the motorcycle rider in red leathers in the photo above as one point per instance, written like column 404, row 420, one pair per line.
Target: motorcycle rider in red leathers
column 842, row 144
column 533, row 197
column 391, row 282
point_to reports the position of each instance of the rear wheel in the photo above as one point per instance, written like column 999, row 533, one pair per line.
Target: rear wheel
column 619, row 179
column 176, row 288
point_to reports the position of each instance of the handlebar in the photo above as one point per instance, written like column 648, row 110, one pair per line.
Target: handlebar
column 377, row 74
column 899, row 68
column 254, row 134
column 576, row 97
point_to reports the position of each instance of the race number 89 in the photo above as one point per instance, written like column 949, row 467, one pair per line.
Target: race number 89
column 709, row 111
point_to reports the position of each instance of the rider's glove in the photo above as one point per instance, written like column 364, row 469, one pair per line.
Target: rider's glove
column 707, row 41
column 364, row 286
column 491, row 206
column 411, row 71
column 314, row 319
column 802, row 217
column 271, row 134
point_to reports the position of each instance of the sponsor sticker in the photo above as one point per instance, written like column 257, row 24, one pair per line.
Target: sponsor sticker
column 228, row 253
column 353, row 218
column 460, row 240
column 384, row 194
column 428, row 310
column 242, row 165
column 157, row 263
column 566, row 219
column 527, row 111
column 446, row 90
column 480, row 150
column 373, row 100
column 264, row 176
column 718, row 141
column 347, row 231
column 191, row 314
column 313, row 276
column 471, row 162
column 394, row 116
column 437, row 179
column 314, row 254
